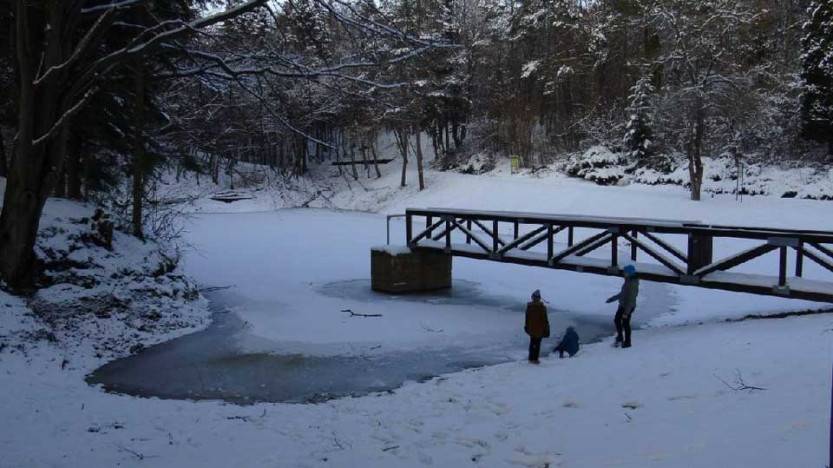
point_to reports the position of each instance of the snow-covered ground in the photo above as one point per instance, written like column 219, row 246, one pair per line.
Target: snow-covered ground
column 675, row 399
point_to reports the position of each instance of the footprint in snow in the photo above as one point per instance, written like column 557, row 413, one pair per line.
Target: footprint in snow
column 682, row 397
column 632, row 405
column 524, row 457
column 471, row 443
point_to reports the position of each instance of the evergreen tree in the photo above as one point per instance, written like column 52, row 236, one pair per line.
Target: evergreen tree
column 817, row 74
column 638, row 133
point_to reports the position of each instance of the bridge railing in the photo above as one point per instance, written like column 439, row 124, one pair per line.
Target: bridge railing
column 565, row 242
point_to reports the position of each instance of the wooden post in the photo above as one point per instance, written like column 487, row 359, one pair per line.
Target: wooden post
column 494, row 236
column 699, row 251
column 448, row 234
column 409, row 229
column 468, row 228
column 614, row 250
column 550, row 246
column 782, row 266
column 633, row 246
column 570, row 236
column 516, row 229
column 429, row 220
column 799, row 259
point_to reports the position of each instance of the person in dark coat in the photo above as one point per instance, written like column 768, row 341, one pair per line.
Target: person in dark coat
column 537, row 325
column 627, row 304
column 569, row 343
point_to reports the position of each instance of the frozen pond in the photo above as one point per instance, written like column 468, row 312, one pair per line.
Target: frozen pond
column 279, row 333
column 212, row 364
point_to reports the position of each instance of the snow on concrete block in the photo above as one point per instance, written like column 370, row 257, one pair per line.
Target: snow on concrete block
column 392, row 249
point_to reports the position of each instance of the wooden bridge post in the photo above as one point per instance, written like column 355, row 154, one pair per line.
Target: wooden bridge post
column 409, row 229
column 550, row 242
column 633, row 245
column 782, row 266
column 468, row 228
column 495, row 233
column 448, row 234
column 799, row 259
column 700, row 251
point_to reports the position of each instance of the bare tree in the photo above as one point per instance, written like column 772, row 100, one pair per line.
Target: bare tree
column 59, row 66
column 700, row 40
column 63, row 57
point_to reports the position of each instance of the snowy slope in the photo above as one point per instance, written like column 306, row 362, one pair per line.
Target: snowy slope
column 662, row 403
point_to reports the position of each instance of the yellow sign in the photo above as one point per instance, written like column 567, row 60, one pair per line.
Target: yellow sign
column 516, row 163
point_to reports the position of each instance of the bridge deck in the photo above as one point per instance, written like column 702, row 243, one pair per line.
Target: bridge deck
column 478, row 234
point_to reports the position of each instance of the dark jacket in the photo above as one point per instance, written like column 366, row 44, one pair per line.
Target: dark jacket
column 627, row 296
column 569, row 343
column 537, row 324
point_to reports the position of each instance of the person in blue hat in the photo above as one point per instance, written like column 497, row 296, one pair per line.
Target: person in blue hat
column 627, row 304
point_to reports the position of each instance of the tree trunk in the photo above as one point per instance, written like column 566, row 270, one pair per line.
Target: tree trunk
column 230, row 169
column 36, row 164
column 457, row 133
column 418, row 145
column 695, row 146
column 402, row 141
column 214, row 163
column 365, row 161
column 137, row 218
column 73, row 170
column 353, row 160
column 304, row 147
column 4, row 168
column 338, row 142
column 60, row 190
column 375, row 160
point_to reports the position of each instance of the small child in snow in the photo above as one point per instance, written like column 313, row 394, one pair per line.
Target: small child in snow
column 569, row 343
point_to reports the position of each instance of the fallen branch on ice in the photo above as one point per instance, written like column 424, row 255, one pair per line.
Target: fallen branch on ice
column 355, row 314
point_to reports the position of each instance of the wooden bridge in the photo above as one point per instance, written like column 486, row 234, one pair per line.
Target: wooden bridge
column 680, row 252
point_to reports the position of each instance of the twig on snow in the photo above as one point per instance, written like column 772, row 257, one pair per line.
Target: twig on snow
column 337, row 442
column 247, row 418
column 740, row 384
column 214, row 288
column 138, row 455
column 356, row 314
